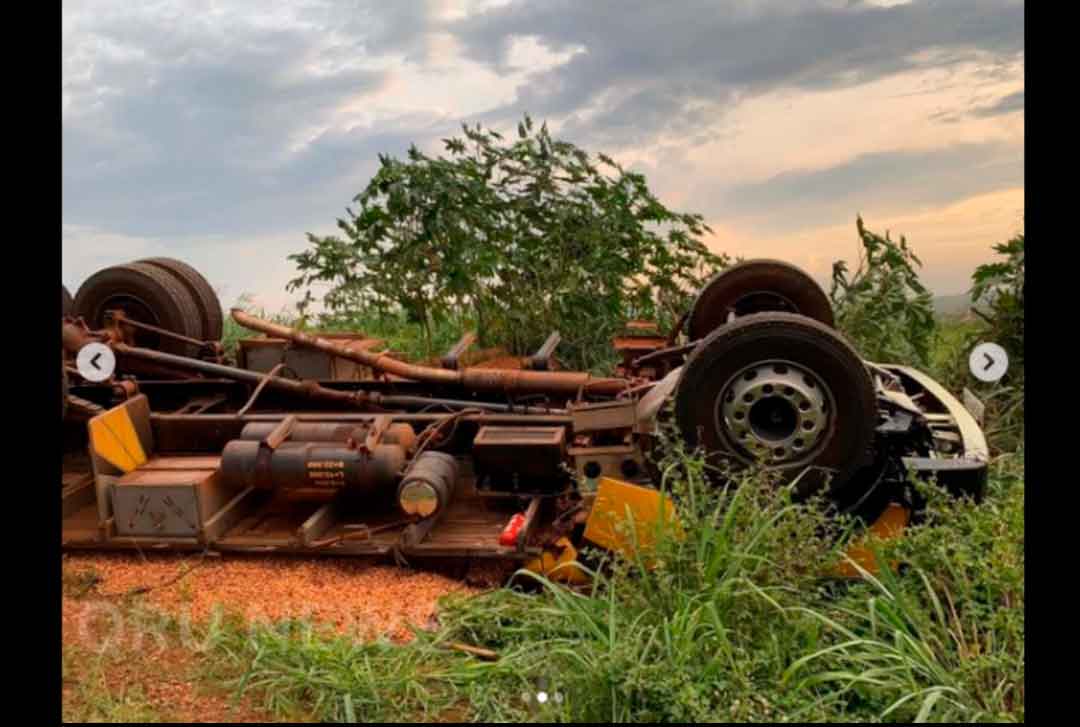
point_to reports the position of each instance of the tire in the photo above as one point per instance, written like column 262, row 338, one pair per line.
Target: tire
column 147, row 294
column 63, row 388
column 796, row 363
column 205, row 298
column 67, row 304
column 757, row 286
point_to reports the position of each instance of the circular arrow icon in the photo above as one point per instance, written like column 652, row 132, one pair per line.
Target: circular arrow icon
column 96, row 362
column 988, row 362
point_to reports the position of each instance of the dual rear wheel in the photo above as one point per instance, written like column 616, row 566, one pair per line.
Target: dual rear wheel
column 161, row 292
column 773, row 384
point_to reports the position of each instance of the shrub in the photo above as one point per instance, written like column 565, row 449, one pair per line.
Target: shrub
column 883, row 307
column 529, row 236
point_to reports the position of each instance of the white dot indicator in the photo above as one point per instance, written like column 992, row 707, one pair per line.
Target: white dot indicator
column 541, row 697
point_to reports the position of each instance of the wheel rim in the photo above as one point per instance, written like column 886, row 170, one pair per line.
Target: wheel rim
column 760, row 301
column 137, row 310
column 776, row 412
column 756, row 286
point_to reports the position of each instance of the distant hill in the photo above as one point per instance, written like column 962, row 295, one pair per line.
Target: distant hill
column 958, row 305
column 951, row 306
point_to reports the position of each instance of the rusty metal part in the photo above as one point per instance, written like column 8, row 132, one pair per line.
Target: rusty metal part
column 83, row 407
column 200, row 404
column 360, row 532
column 117, row 319
column 520, row 458
column 486, row 380
column 74, row 334
column 622, row 461
column 452, row 358
column 310, row 389
column 428, row 486
column 303, row 432
column 671, row 352
column 396, row 400
column 367, row 438
column 259, row 389
column 634, row 346
column 212, row 431
column 262, row 354
column 604, row 416
column 399, row 433
column 649, row 406
column 317, row 465
column 125, row 389
column 639, row 339
column 541, row 360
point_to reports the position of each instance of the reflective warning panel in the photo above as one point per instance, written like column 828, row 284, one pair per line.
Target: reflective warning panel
column 113, row 437
column 625, row 514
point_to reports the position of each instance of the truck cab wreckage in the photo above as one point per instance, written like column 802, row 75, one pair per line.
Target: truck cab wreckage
column 323, row 444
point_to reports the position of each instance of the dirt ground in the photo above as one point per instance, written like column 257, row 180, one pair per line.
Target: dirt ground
column 112, row 663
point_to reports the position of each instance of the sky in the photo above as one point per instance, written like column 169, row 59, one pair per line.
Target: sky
column 221, row 133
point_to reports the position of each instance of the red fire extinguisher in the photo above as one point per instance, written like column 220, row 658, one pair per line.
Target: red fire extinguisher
column 509, row 535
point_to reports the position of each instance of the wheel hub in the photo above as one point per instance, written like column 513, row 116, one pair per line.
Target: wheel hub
column 763, row 300
column 775, row 411
column 138, row 310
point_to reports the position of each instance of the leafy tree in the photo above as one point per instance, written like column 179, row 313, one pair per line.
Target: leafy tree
column 999, row 288
column 883, row 306
column 529, row 236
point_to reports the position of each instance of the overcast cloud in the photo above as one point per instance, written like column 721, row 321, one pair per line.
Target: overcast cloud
column 221, row 132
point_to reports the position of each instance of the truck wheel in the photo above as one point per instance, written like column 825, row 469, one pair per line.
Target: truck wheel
column 202, row 293
column 783, row 391
column 146, row 294
column 63, row 388
column 756, row 286
column 66, row 301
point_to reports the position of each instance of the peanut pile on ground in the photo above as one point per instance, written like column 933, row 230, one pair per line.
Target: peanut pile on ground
column 355, row 596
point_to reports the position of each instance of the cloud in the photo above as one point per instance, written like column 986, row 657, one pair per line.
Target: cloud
column 233, row 264
column 1004, row 105
column 222, row 132
column 646, row 67
column 950, row 239
column 884, row 182
column 185, row 120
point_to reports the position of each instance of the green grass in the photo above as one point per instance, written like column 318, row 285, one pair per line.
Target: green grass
column 91, row 699
column 734, row 622
column 401, row 335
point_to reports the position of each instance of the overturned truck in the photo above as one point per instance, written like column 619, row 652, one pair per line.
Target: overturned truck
column 180, row 450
